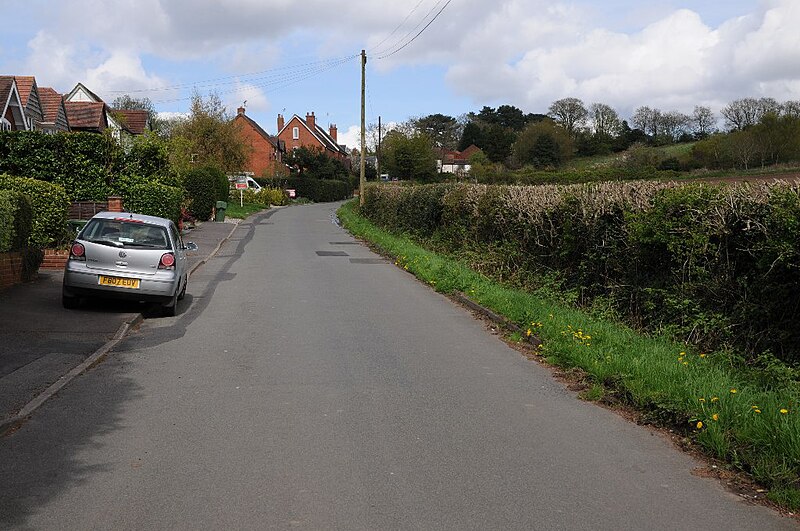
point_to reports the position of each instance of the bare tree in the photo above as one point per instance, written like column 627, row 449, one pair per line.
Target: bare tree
column 648, row 120
column 604, row 119
column 791, row 108
column 674, row 124
column 703, row 120
column 571, row 113
column 741, row 114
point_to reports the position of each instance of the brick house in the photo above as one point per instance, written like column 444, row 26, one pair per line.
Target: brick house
column 456, row 162
column 266, row 155
column 306, row 133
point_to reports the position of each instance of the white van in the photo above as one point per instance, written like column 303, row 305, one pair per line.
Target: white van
column 246, row 179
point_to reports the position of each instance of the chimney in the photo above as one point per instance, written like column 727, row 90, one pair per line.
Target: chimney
column 280, row 122
column 310, row 120
column 333, row 132
column 240, row 111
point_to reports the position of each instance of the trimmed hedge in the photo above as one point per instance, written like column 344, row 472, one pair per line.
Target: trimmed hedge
column 716, row 265
column 148, row 197
column 82, row 163
column 204, row 188
column 50, row 207
column 317, row 190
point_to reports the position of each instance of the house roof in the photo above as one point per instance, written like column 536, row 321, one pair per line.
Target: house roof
column 134, row 120
column 89, row 93
column 86, row 114
column 51, row 102
column 277, row 144
column 6, row 85
column 25, row 85
column 320, row 134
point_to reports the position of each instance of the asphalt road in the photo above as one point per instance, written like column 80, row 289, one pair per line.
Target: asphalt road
column 307, row 384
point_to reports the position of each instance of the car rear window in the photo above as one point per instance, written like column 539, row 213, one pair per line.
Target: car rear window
column 125, row 233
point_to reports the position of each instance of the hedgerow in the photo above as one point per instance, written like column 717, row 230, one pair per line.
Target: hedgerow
column 50, row 207
column 145, row 196
column 717, row 266
column 317, row 190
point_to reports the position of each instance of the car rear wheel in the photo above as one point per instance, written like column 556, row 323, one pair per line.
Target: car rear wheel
column 171, row 308
column 183, row 291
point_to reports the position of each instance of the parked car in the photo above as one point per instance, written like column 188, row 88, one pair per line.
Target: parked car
column 120, row 255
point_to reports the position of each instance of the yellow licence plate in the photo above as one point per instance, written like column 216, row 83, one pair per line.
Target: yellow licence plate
column 119, row 282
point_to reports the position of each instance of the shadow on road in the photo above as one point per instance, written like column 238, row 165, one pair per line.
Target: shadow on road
column 46, row 457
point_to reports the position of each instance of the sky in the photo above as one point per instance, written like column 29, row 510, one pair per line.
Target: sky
column 423, row 56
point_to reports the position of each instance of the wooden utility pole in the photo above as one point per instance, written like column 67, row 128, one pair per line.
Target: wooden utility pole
column 378, row 153
column 363, row 177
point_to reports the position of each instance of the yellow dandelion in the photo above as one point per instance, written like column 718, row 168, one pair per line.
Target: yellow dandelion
column 701, row 399
column 733, row 391
column 784, row 411
column 682, row 354
column 702, row 355
column 528, row 333
column 715, row 416
column 757, row 410
column 699, row 424
column 714, row 398
column 686, row 363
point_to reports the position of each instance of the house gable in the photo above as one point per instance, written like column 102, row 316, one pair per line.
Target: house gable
column 53, row 110
column 29, row 96
column 13, row 112
column 266, row 156
column 310, row 135
column 81, row 93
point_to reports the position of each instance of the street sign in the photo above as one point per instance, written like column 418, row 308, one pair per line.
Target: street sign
column 292, row 193
column 241, row 186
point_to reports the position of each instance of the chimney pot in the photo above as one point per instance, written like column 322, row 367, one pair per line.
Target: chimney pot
column 310, row 120
column 280, row 122
column 333, row 132
column 240, row 110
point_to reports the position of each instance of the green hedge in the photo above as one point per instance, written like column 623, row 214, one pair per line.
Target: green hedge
column 203, row 188
column 148, row 197
column 715, row 265
column 50, row 207
column 82, row 163
column 317, row 190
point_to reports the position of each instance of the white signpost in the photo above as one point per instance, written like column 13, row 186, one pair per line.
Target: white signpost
column 241, row 185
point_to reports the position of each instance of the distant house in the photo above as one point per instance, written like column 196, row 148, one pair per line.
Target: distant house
column 54, row 112
column 29, row 97
column 456, row 162
column 13, row 111
column 87, row 116
column 123, row 123
column 266, row 156
column 306, row 133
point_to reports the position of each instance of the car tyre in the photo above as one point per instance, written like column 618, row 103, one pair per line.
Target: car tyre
column 182, row 294
column 171, row 308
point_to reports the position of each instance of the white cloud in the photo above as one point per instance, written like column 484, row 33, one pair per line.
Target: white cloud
column 254, row 96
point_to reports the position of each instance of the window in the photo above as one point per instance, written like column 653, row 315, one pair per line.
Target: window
column 295, row 133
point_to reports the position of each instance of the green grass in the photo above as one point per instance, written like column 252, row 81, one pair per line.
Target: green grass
column 242, row 212
column 722, row 409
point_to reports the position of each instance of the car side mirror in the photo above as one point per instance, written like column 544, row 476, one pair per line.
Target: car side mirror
column 191, row 246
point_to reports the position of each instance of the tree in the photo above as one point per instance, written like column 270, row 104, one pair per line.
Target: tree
column 316, row 164
column 497, row 142
column 741, row 114
column 648, row 120
column 673, row 125
column 444, row 131
column 605, row 120
column 211, row 135
column 543, row 144
column 703, row 121
column 570, row 113
column 472, row 134
column 408, row 157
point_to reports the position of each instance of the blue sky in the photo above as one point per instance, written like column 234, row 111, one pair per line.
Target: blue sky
column 291, row 57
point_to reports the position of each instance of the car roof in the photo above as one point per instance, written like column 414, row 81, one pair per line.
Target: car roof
column 153, row 220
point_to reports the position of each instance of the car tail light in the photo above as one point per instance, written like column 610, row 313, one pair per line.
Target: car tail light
column 77, row 252
column 167, row 261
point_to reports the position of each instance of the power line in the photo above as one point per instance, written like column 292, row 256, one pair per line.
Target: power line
column 385, row 55
column 396, row 28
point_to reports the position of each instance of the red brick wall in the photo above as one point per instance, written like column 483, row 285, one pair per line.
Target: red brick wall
column 262, row 157
column 306, row 139
column 54, row 259
column 10, row 269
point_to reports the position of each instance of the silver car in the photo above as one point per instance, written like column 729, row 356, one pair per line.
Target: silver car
column 121, row 255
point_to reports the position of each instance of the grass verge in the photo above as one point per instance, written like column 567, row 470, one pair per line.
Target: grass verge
column 755, row 428
column 242, row 212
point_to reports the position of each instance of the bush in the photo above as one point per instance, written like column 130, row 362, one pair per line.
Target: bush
column 149, row 197
column 203, row 190
column 317, row 190
column 718, row 266
column 82, row 163
column 50, row 207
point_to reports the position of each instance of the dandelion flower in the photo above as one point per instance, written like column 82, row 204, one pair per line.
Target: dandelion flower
column 715, row 416
column 528, row 333
column 784, row 411
column 699, row 424
column 757, row 410
column 682, row 354
column 702, row 355
column 701, row 399
column 686, row 363
column 733, row 391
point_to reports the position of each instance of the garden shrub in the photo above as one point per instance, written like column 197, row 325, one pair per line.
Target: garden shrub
column 717, row 266
column 317, row 190
column 7, row 216
column 49, row 205
column 149, row 197
column 203, row 188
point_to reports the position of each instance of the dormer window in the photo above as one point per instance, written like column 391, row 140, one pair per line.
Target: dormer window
column 295, row 133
